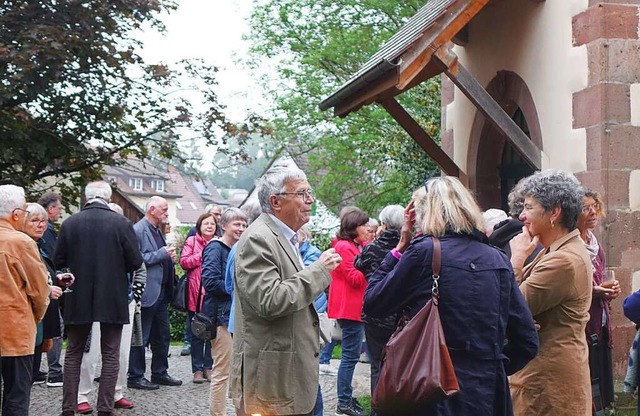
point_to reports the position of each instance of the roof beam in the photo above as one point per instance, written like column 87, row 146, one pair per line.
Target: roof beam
column 488, row 106
column 421, row 137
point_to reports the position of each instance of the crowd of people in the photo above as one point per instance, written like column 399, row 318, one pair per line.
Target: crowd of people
column 524, row 298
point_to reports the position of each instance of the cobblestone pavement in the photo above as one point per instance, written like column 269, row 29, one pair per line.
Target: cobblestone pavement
column 188, row 399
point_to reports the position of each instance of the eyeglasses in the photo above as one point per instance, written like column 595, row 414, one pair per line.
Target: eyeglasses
column 38, row 222
column 304, row 195
column 426, row 184
column 26, row 212
column 593, row 207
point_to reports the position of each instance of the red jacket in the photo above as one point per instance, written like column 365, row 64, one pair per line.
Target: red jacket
column 191, row 262
column 346, row 291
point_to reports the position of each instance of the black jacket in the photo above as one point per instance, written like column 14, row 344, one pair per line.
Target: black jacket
column 100, row 247
column 368, row 261
column 504, row 231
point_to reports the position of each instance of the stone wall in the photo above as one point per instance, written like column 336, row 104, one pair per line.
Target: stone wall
column 609, row 111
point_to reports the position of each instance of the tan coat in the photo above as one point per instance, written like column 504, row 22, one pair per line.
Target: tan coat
column 557, row 286
column 276, row 336
column 25, row 291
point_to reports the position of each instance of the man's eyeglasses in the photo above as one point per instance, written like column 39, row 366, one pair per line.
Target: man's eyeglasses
column 304, row 195
column 26, row 212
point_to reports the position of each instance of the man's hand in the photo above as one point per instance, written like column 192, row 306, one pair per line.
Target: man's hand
column 56, row 292
column 171, row 251
column 330, row 259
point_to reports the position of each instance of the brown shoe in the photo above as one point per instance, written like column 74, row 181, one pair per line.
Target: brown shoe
column 197, row 377
column 207, row 375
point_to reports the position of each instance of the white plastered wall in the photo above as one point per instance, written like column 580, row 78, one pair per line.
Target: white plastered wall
column 533, row 40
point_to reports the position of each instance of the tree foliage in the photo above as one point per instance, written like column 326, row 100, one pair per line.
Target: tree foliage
column 75, row 94
column 366, row 158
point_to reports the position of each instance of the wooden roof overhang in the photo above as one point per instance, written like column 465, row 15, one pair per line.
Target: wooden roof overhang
column 416, row 53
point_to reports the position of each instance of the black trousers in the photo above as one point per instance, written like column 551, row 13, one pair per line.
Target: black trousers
column 16, row 380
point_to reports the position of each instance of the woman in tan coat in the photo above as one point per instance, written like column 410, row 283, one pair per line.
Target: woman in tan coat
column 557, row 285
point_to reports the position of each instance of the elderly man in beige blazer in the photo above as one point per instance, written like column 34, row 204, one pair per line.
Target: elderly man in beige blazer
column 276, row 340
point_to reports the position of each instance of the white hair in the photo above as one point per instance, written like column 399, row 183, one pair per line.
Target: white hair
column 209, row 207
column 36, row 209
column 273, row 182
column 116, row 208
column 154, row 201
column 492, row 217
column 392, row 216
column 11, row 197
column 99, row 189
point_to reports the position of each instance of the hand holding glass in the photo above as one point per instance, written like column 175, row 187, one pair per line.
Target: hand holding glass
column 67, row 278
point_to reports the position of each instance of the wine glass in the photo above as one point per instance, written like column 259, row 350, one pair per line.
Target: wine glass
column 66, row 277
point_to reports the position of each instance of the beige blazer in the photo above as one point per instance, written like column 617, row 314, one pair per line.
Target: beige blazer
column 557, row 285
column 275, row 344
column 25, row 291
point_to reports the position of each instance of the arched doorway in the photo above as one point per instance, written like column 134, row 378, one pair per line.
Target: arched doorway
column 494, row 165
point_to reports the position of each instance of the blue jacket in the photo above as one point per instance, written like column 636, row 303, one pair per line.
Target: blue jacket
column 228, row 284
column 489, row 330
column 217, row 302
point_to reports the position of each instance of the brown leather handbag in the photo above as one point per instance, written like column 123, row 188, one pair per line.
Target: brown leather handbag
column 416, row 366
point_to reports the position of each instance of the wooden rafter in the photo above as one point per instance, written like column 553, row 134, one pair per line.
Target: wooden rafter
column 421, row 137
column 488, row 106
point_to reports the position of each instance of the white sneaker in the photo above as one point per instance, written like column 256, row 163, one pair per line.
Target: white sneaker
column 328, row 370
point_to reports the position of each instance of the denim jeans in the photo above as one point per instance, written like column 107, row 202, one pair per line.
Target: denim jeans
column 327, row 352
column 318, row 409
column 187, row 329
column 352, row 332
column 200, row 352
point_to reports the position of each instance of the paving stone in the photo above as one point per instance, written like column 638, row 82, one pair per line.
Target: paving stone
column 188, row 399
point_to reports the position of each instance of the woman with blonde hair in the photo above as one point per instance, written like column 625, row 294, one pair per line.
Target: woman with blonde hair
column 557, row 286
column 604, row 291
column 488, row 327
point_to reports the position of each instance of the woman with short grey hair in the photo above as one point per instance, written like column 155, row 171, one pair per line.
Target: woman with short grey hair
column 557, row 286
column 217, row 303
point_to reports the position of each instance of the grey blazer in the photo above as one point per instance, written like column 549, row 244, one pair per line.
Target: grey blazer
column 275, row 344
column 153, row 258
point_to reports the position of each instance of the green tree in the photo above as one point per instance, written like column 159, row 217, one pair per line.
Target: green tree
column 366, row 158
column 75, row 95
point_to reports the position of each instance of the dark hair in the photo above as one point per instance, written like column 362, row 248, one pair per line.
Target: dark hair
column 201, row 219
column 49, row 198
column 349, row 222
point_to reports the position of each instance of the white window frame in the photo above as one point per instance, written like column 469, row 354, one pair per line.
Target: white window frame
column 135, row 184
column 157, row 185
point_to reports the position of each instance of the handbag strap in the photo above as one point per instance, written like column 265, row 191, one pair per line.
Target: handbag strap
column 436, row 259
column 199, row 296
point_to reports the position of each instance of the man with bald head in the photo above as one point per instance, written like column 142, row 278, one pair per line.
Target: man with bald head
column 159, row 259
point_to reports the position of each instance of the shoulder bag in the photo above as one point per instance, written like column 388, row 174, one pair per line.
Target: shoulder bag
column 416, row 366
column 180, row 293
column 202, row 326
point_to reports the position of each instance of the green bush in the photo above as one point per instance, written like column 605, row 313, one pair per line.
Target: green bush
column 177, row 324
